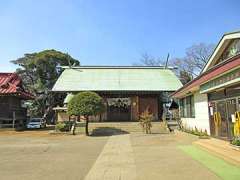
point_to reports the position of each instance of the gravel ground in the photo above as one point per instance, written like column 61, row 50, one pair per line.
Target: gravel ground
column 37, row 155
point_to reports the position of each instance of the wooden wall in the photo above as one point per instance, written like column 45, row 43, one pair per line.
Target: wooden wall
column 150, row 103
column 139, row 103
column 134, row 108
column 10, row 107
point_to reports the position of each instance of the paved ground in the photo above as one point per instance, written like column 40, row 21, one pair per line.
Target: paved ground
column 157, row 157
column 116, row 160
column 125, row 156
column 33, row 156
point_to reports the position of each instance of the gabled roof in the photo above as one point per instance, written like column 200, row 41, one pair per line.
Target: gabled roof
column 114, row 78
column 212, row 73
column 11, row 84
column 223, row 43
column 211, row 69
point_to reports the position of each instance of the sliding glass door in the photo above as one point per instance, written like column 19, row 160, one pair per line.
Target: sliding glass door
column 232, row 108
column 226, row 109
column 222, row 110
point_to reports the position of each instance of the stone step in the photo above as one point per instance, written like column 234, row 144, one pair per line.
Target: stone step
column 128, row 126
column 220, row 148
column 172, row 125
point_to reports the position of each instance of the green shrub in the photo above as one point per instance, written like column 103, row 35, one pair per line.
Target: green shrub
column 236, row 141
column 195, row 131
column 68, row 125
column 86, row 104
column 60, row 126
column 64, row 126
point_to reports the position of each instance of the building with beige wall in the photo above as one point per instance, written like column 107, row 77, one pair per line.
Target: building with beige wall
column 214, row 96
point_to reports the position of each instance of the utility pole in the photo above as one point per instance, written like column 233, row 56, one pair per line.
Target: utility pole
column 166, row 64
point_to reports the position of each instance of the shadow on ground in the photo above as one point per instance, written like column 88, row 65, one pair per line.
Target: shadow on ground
column 48, row 128
column 107, row 131
column 161, row 132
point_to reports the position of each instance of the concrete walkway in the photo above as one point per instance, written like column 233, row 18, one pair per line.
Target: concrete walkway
column 115, row 162
column 155, row 157
column 33, row 155
column 158, row 157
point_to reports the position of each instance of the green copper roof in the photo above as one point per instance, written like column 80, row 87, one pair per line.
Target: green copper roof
column 68, row 98
column 117, row 79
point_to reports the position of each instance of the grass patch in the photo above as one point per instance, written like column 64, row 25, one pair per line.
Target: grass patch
column 220, row 167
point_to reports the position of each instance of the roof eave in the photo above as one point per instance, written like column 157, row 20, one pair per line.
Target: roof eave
column 215, row 52
column 183, row 88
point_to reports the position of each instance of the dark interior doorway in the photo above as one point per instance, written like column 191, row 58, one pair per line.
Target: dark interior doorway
column 119, row 109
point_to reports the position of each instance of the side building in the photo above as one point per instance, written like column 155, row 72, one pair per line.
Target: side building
column 211, row 100
column 12, row 95
column 127, row 90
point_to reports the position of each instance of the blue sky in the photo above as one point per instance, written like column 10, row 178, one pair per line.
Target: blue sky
column 111, row 32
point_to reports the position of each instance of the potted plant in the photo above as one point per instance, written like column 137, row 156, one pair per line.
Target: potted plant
column 235, row 143
column 146, row 121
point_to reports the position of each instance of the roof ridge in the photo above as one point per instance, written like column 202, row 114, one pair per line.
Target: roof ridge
column 6, row 73
column 118, row 67
column 231, row 32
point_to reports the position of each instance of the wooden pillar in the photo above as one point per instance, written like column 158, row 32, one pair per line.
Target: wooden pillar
column 160, row 108
column 134, row 108
column 14, row 118
column 138, row 115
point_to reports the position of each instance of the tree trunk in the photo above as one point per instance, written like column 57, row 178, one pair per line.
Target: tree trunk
column 86, row 127
column 74, row 127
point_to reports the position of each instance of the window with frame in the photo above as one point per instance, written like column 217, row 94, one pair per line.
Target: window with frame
column 232, row 49
column 181, row 102
column 187, row 109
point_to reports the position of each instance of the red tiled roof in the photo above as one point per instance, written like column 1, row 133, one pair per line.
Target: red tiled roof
column 11, row 84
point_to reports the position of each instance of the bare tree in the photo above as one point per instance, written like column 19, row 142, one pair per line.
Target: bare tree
column 149, row 60
column 196, row 57
column 182, row 71
column 189, row 66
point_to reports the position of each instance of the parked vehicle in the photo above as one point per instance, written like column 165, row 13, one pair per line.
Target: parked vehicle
column 36, row 123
